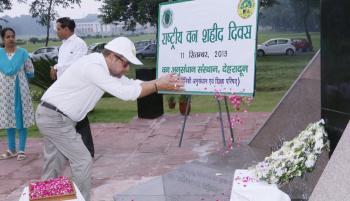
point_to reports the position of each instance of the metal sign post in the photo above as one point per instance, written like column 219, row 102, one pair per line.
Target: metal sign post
column 221, row 121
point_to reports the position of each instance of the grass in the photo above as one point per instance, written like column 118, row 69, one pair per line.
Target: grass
column 277, row 73
column 111, row 109
column 274, row 75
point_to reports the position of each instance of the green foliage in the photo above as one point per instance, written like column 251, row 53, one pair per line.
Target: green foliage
column 42, row 72
column 267, row 3
column 46, row 12
column 170, row 98
column 5, row 5
column 288, row 16
column 303, row 9
column 34, row 40
column 183, row 98
column 36, row 94
column 20, row 42
column 131, row 12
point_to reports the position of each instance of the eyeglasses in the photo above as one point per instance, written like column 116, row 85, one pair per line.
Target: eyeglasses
column 125, row 63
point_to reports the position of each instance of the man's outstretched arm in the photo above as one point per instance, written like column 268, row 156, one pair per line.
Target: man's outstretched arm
column 170, row 82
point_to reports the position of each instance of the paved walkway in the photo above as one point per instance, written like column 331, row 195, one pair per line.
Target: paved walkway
column 129, row 154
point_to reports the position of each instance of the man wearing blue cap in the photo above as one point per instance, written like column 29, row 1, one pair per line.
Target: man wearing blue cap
column 76, row 93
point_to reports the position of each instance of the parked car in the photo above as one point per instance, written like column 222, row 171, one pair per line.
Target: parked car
column 96, row 47
column 142, row 44
column 276, row 46
column 301, row 44
column 50, row 52
column 148, row 51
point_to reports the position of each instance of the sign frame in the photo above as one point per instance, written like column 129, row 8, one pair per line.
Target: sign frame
column 193, row 92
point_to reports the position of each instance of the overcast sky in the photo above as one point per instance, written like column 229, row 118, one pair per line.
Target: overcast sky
column 86, row 7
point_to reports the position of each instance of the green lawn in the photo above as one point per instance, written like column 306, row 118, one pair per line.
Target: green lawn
column 277, row 73
column 274, row 75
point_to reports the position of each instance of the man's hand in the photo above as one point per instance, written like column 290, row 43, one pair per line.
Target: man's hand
column 53, row 73
column 170, row 82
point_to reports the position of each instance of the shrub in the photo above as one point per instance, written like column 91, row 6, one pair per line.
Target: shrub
column 183, row 98
column 36, row 94
column 42, row 72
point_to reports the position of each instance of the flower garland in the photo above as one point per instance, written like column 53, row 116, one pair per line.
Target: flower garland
column 295, row 157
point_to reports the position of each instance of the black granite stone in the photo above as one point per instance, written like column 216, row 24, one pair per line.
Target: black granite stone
column 335, row 63
column 209, row 178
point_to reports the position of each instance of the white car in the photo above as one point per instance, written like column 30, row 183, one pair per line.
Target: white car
column 50, row 52
column 148, row 51
column 276, row 46
column 96, row 47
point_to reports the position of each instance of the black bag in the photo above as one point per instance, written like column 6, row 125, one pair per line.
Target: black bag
column 83, row 128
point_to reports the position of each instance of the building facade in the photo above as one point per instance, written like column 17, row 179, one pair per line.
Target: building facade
column 92, row 26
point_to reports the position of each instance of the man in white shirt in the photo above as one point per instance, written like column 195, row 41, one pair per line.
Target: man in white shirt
column 72, row 49
column 76, row 93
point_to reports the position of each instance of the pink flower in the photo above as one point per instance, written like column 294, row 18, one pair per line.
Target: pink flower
column 230, row 145
column 236, row 120
column 218, row 95
column 238, row 102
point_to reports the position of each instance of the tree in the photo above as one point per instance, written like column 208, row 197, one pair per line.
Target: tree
column 45, row 11
column 303, row 8
column 280, row 18
column 5, row 5
column 267, row 3
column 34, row 40
column 131, row 12
column 286, row 18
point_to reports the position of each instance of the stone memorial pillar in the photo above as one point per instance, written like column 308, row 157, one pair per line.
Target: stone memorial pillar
column 335, row 67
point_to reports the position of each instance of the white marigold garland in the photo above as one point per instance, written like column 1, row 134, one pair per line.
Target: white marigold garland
column 295, row 157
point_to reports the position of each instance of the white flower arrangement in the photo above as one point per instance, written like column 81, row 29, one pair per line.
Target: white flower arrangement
column 295, row 157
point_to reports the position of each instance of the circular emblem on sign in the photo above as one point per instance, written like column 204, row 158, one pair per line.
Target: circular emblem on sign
column 246, row 8
column 167, row 18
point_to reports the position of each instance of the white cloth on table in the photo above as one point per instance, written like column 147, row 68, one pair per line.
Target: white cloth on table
column 25, row 195
column 246, row 187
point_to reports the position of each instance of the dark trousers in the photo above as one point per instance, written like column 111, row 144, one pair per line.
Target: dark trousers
column 83, row 128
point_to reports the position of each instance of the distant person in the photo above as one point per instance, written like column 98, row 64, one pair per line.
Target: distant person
column 76, row 93
column 16, row 108
column 72, row 49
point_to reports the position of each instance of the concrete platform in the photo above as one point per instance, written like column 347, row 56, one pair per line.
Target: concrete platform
column 134, row 153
